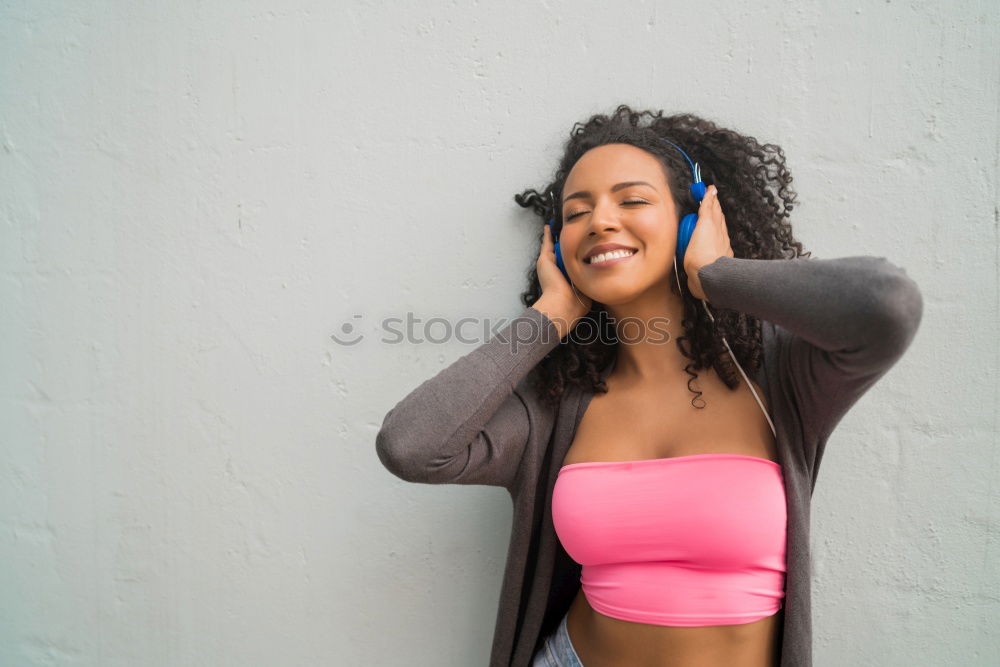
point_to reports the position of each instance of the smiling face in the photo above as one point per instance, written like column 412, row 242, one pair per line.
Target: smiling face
column 618, row 194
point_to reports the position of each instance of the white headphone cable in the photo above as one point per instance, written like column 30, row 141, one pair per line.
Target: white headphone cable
column 726, row 343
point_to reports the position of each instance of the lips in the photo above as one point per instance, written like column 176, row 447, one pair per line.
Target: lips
column 606, row 247
column 611, row 262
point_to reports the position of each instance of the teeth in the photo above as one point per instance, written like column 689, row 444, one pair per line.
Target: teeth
column 603, row 257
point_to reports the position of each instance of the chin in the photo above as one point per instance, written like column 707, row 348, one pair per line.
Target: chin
column 619, row 290
column 612, row 295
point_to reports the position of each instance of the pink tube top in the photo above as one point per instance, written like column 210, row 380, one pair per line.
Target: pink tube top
column 682, row 541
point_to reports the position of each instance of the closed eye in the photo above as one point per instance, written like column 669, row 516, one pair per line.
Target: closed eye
column 628, row 201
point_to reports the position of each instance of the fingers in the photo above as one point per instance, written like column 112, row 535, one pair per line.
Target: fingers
column 711, row 197
column 710, row 205
column 548, row 245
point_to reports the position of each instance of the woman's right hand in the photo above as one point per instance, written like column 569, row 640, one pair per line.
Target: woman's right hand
column 559, row 300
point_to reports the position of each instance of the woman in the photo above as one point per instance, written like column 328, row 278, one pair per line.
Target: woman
column 660, row 459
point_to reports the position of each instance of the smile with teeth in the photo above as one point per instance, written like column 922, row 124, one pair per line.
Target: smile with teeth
column 609, row 256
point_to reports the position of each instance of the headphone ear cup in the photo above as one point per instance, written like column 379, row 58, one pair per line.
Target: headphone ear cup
column 684, row 233
column 558, row 252
column 559, row 261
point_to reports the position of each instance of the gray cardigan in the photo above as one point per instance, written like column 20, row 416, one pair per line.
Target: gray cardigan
column 831, row 329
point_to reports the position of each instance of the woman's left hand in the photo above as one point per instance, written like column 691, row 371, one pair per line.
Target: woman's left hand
column 709, row 241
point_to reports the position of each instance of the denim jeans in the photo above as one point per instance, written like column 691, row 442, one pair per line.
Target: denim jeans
column 557, row 651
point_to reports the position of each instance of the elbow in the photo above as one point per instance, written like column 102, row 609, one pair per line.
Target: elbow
column 391, row 455
column 391, row 451
column 899, row 311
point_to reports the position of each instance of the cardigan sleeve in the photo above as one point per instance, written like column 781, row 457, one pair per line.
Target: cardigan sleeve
column 469, row 424
column 845, row 322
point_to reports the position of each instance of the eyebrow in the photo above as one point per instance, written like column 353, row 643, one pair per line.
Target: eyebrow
column 614, row 188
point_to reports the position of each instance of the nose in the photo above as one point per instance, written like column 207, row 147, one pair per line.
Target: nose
column 604, row 219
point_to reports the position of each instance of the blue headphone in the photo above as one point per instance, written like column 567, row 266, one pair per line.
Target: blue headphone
column 687, row 224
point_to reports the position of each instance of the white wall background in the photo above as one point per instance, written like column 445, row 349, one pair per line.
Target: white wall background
column 195, row 195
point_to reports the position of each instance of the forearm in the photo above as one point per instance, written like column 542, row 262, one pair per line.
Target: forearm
column 436, row 432
column 839, row 304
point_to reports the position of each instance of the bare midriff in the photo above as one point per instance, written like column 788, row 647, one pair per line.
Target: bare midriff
column 602, row 641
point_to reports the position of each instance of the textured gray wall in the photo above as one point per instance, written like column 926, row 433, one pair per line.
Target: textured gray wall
column 196, row 195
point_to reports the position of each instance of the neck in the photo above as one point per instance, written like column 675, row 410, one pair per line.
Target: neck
column 647, row 329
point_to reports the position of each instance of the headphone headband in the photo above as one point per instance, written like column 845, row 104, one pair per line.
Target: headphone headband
column 695, row 168
column 697, row 188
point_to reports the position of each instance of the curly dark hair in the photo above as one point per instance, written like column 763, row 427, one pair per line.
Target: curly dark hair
column 753, row 188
